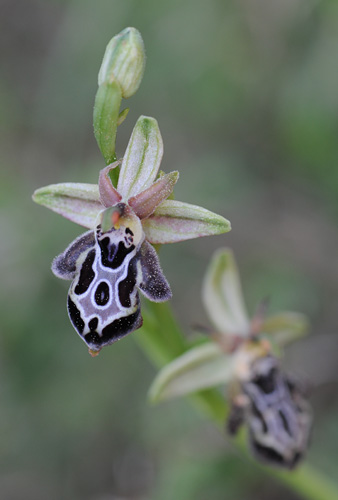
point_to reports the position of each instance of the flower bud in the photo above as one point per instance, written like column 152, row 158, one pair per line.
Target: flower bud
column 124, row 61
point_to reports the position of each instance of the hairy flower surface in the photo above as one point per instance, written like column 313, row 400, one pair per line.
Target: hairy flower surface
column 114, row 260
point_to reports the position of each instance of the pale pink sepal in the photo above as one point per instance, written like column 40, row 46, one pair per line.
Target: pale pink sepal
column 142, row 158
column 223, row 298
column 108, row 194
column 77, row 202
column 148, row 200
column 176, row 221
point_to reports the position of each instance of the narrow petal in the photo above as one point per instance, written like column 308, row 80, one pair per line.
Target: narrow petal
column 108, row 194
column 64, row 265
column 142, row 158
column 199, row 368
column 154, row 284
column 77, row 202
column 147, row 201
column 177, row 221
column 285, row 327
column 222, row 295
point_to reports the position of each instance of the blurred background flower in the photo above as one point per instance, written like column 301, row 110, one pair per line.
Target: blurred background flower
column 245, row 93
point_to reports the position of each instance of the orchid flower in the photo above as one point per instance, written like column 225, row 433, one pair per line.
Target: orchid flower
column 115, row 258
column 127, row 212
column 242, row 355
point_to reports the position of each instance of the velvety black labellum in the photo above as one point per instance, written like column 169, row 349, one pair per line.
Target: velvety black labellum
column 127, row 286
column 102, row 294
column 93, row 324
column 114, row 331
column 87, row 274
column 75, row 316
column 276, row 412
column 113, row 255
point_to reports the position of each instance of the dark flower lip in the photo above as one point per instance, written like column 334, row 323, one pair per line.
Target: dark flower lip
column 108, row 267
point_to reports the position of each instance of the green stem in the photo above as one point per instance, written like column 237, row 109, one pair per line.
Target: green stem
column 162, row 341
column 309, row 483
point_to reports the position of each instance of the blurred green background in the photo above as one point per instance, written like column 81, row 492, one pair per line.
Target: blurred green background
column 245, row 93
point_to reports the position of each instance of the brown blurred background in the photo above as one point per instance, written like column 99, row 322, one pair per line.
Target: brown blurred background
column 245, row 93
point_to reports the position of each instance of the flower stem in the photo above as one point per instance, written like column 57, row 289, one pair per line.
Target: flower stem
column 162, row 341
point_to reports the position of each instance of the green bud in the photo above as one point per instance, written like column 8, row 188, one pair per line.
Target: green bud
column 106, row 114
column 124, row 61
